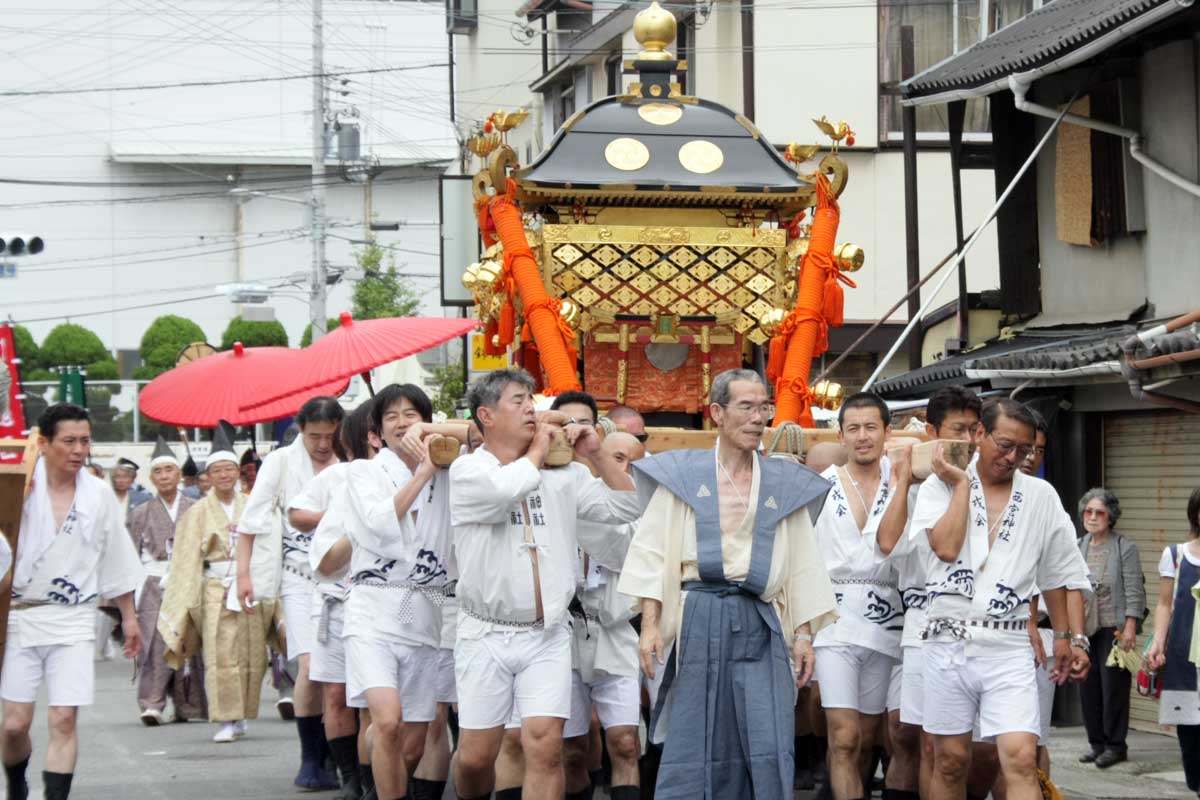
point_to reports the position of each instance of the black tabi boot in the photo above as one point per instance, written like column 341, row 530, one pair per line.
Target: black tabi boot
column 422, row 789
column 58, row 785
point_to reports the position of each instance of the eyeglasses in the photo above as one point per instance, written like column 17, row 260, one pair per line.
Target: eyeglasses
column 767, row 410
column 1007, row 448
column 642, row 437
column 1095, row 512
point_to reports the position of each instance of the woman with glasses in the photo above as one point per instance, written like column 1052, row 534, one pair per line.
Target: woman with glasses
column 1120, row 606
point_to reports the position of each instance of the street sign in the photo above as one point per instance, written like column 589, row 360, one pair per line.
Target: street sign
column 480, row 361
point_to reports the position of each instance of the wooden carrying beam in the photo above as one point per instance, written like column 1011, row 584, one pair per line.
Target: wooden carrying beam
column 15, row 478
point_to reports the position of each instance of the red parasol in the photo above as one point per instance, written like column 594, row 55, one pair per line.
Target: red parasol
column 217, row 387
column 357, row 347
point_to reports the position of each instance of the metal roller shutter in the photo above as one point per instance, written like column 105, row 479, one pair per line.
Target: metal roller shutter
column 1152, row 463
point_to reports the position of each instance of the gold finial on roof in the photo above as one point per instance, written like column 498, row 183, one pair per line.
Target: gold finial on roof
column 654, row 29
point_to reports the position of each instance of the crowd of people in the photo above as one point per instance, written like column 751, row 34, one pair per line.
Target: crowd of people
column 503, row 602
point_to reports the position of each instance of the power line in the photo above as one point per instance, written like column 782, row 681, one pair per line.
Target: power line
column 232, row 81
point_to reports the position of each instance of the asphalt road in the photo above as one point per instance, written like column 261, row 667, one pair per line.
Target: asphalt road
column 119, row 758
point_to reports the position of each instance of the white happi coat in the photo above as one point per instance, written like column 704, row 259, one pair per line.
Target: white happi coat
column 870, row 611
column 909, row 558
column 326, row 494
column 280, row 562
column 61, row 574
column 604, row 641
column 398, row 566
column 490, row 506
column 1034, row 546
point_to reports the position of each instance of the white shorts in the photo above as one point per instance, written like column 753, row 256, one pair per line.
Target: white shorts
column 912, row 686
column 894, row 684
column 1000, row 690
column 853, row 677
column 67, row 670
column 446, row 692
column 301, row 625
column 617, row 699
column 527, row 670
column 327, row 663
column 380, row 664
column 1046, row 688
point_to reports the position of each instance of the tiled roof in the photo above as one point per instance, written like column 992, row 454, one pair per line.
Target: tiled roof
column 1045, row 35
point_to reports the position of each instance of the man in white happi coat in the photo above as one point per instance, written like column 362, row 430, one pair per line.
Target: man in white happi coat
column 73, row 548
column 325, row 496
column 996, row 537
column 952, row 413
column 515, row 542
column 399, row 572
column 605, row 672
column 855, row 654
column 272, row 561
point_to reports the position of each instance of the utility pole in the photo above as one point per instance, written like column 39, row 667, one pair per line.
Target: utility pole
column 316, row 303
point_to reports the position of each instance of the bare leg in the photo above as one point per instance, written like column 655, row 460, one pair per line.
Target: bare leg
column 64, row 741
column 1018, row 760
column 951, row 757
column 845, row 737
column 306, row 697
column 339, row 720
column 16, row 744
column 623, row 749
column 906, row 754
column 925, row 774
column 574, row 760
column 510, row 764
column 435, row 762
column 387, row 761
column 872, row 729
column 541, row 739
column 474, row 765
column 984, row 769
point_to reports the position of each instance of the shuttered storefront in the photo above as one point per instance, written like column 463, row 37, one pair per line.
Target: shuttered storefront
column 1152, row 463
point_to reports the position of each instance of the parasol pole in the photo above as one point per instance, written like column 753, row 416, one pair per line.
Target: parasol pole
column 366, row 376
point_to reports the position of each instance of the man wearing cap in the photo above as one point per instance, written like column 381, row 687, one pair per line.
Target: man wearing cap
column 74, row 549
column 152, row 526
column 200, row 610
column 129, row 494
column 191, row 479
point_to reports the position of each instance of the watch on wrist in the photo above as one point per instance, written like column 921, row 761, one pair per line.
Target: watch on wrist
column 1080, row 641
column 803, row 637
column 1062, row 635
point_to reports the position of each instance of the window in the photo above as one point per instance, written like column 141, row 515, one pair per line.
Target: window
column 685, row 38
column 462, row 16
column 563, row 98
column 941, row 28
column 612, row 74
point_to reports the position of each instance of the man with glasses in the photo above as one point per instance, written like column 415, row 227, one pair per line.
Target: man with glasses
column 952, row 413
column 855, row 655
column 630, row 421
column 726, row 567
column 996, row 537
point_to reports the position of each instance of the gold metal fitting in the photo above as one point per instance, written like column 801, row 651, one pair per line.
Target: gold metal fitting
column 771, row 320
column 570, row 313
column 849, row 257
column 827, row 394
column 654, row 29
column 484, row 144
column 471, row 276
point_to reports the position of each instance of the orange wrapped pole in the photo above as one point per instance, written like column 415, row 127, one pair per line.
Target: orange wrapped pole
column 806, row 323
column 541, row 310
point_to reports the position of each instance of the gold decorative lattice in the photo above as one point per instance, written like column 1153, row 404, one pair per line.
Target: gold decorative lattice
column 629, row 269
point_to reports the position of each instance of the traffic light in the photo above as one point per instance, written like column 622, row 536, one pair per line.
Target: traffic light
column 21, row 245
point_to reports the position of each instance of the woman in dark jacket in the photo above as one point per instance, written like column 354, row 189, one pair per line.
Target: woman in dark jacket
column 1120, row 605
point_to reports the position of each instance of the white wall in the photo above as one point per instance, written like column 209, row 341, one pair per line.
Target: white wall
column 111, row 245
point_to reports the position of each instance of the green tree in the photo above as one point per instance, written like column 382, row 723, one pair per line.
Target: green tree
column 330, row 324
column 448, row 382
column 72, row 345
column 27, row 349
column 163, row 341
column 382, row 292
column 253, row 333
